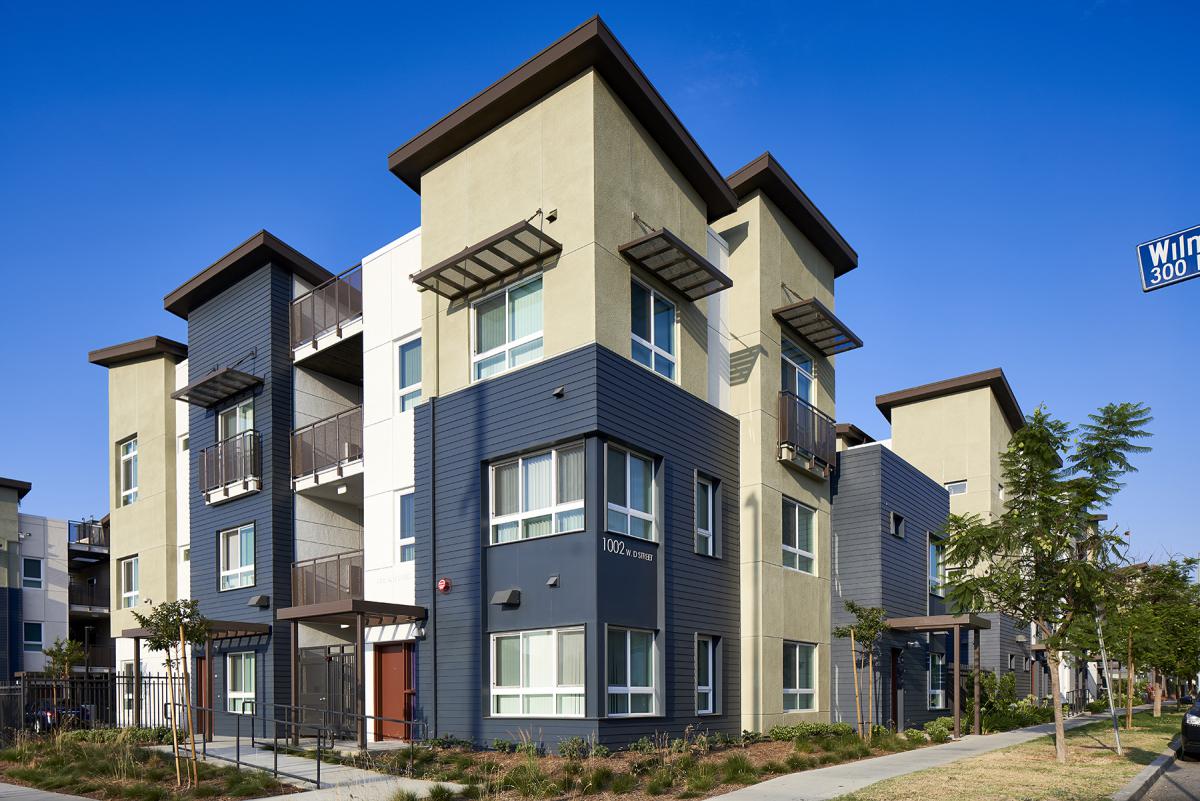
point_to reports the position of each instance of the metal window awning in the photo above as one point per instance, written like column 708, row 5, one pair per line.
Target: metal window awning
column 488, row 263
column 346, row 610
column 217, row 630
column 816, row 325
column 216, row 387
column 936, row 623
column 670, row 259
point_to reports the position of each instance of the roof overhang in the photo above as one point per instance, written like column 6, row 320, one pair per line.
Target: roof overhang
column 348, row 610
column 216, row 387
column 990, row 379
column 765, row 174
column 934, row 623
column 676, row 264
column 817, row 326
column 22, row 487
column 852, row 434
column 138, row 349
column 260, row 249
column 217, row 630
column 590, row 46
column 488, row 263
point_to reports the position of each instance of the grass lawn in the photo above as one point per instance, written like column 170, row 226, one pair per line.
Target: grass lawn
column 1024, row 772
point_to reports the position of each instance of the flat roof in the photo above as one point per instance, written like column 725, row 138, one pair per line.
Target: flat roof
column 993, row 379
column 852, row 434
column 238, row 263
column 590, row 46
column 939, row 623
column 344, row 612
column 766, row 174
column 138, row 349
column 22, row 487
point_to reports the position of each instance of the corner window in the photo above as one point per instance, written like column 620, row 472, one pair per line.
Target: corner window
column 1012, row 662
column 897, row 525
column 507, row 330
column 237, row 557
column 129, row 582
column 706, row 672
column 798, row 548
column 937, row 681
column 956, row 487
column 406, row 526
column 799, row 676
column 240, row 682
column 32, row 642
column 538, row 495
column 706, row 540
column 797, row 371
column 937, row 566
column 31, row 573
column 409, row 373
column 630, row 672
column 538, row 673
column 237, row 419
column 629, row 481
column 652, row 319
column 128, row 471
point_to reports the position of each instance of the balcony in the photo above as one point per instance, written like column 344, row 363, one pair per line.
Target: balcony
column 326, row 317
column 807, row 437
column 328, row 578
column 87, row 599
column 231, row 468
column 87, row 543
column 327, row 456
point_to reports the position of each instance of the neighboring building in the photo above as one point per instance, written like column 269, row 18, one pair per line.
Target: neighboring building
column 12, row 492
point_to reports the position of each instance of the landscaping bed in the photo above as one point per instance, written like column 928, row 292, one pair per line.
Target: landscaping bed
column 117, row 764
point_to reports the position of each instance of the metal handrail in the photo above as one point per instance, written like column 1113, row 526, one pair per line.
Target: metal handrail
column 805, row 428
column 327, row 578
column 236, row 458
column 86, row 532
column 327, row 443
column 327, row 307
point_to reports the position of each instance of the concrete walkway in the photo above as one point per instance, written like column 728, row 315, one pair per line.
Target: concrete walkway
column 823, row 784
column 15, row 792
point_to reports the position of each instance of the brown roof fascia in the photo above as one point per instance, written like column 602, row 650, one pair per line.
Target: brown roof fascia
column 591, row 45
column 138, row 349
column 993, row 379
column 852, row 434
column 766, row 174
column 238, row 263
column 22, row 487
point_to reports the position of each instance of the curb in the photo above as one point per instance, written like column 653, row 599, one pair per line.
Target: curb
column 1140, row 784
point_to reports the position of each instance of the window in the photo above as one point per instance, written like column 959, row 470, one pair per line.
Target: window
column 937, row 566
column 33, row 638
column 129, row 582
column 186, row 553
column 126, row 684
column 31, row 573
column 630, row 492
column 406, row 527
column 409, row 371
column 129, row 471
column 239, row 682
column 236, row 420
column 538, row 673
column 897, row 525
column 706, row 671
column 797, row 371
column 508, row 329
column 1028, row 664
column 705, row 518
column 956, row 487
column 183, row 442
column 798, row 537
column 1012, row 662
column 799, row 676
column 630, row 672
column 652, row 320
column 937, row 681
column 237, row 557
column 538, row 495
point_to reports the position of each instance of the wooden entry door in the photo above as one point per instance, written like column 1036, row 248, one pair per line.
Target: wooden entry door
column 202, row 678
column 394, row 690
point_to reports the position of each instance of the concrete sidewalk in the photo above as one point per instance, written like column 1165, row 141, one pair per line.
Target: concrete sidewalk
column 15, row 792
column 823, row 784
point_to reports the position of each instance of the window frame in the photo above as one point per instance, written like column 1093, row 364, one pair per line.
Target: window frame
column 406, row 541
column 711, row 687
column 795, row 550
column 241, row 696
column 941, row 673
column 127, row 494
column 29, row 646
column 226, row 572
column 627, row 511
column 799, row 692
column 937, row 579
column 27, row 581
column 521, row 691
column 130, row 598
column 553, row 511
column 897, row 525
column 627, row 689
column 222, row 416
column 407, row 395
column 810, row 373
column 711, row 533
column 653, row 347
column 963, row 483
column 509, row 345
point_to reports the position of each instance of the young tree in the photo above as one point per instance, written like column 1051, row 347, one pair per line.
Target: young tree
column 1045, row 559
column 61, row 658
column 870, row 622
column 1169, row 606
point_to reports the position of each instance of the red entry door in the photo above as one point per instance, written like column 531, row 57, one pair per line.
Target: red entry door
column 394, row 691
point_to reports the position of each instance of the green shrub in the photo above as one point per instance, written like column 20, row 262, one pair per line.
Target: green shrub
column 440, row 792
column 799, row 762
column 623, row 783
column 643, row 745
column 600, row 751
column 450, row 741
column 750, row 738
column 598, row 780
column 938, row 731
column 702, row 778
column 573, row 748
column 503, row 746
column 771, row 768
column 810, row 730
column 915, row 737
column 529, row 781
column 737, row 769
column 662, row 781
column 528, row 749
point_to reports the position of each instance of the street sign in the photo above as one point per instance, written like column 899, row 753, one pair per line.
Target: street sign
column 1170, row 259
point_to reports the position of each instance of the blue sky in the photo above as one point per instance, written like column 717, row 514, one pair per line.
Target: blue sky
column 995, row 166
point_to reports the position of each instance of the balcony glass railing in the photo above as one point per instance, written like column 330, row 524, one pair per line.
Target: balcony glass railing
column 87, row 595
column 327, row 443
column 805, row 430
column 87, row 533
column 328, row 578
column 327, row 307
column 238, row 458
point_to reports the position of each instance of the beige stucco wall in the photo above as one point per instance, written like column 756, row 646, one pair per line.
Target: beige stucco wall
column 766, row 253
column 9, row 529
column 139, row 402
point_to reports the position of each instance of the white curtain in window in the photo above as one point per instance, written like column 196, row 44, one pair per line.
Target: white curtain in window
column 640, row 658
column 525, row 310
column 245, row 547
column 570, row 659
column 570, row 474
column 506, row 489
column 539, row 659
column 538, row 477
column 641, row 481
column 508, row 662
column 489, row 324
column 410, row 363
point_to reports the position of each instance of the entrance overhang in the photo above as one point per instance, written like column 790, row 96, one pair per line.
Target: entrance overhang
column 346, row 611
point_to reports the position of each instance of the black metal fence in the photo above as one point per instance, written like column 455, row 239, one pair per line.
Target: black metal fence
column 39, row 702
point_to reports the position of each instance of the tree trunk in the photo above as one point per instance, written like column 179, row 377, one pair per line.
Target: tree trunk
column 187, row 697
column 1060, row 736
column 1156, row 683
column 871, row 692
column 174, row 731
column 857, row 702
column 1129, row 684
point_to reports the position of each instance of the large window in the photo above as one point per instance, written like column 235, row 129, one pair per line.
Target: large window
column 799, row 676
column 538, row 673
column 798, row 548
column 630, row 493
column 129, row 470
column 538, row 495
column 706, row 672
column 237, row 557
column 508, row 329
column 239, row 682
column 937, row 565
column 798, row 375
column 31, row 573
column 956, row 487
column 630, row 672
column 32, row 638
column 705, row 517
column 409, row 373
column 406, row 526
column 937, row 681
column 129, row 583
column 652, row 319
column 236, row 419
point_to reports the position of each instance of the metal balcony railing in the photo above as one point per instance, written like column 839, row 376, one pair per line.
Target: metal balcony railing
column 87, row 533
column 84, row 594
column 238, row 458
column 805, row 430
column 327, row 578
column 327, row 307
column 327, row 443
